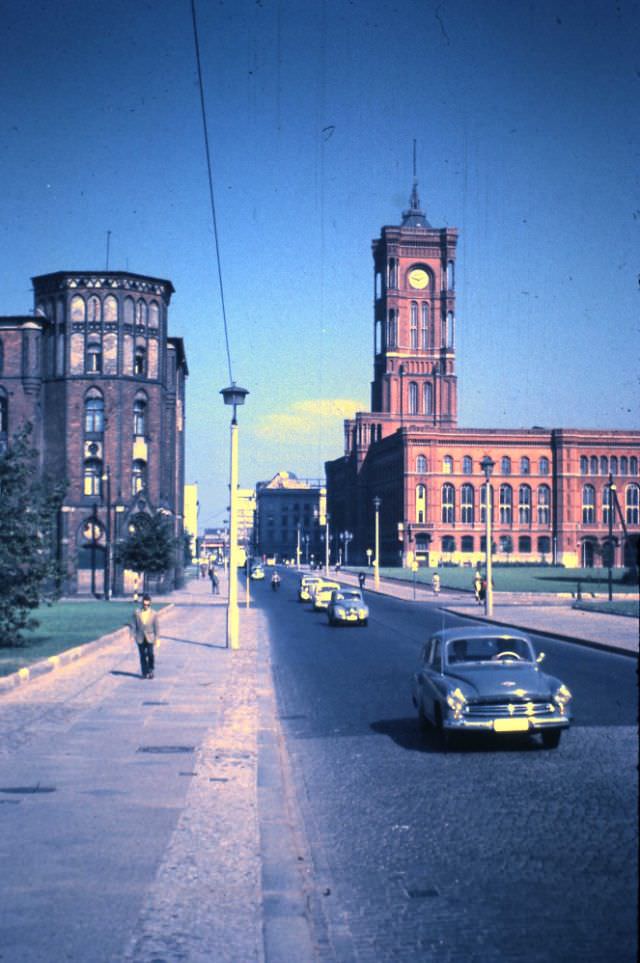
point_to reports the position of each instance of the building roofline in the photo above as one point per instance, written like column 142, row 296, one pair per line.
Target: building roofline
column 103, row 274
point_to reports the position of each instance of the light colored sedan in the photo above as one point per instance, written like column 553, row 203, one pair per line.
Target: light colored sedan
column 321, row 594
column 347, row 607
column 306, row 585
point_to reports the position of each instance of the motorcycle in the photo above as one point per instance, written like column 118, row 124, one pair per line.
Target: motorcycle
column 275, row 582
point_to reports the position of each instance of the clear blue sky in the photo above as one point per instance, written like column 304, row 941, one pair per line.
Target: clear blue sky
column 526, row 119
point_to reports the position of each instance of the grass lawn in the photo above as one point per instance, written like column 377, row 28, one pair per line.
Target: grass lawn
column 519, row 578
column 63, row 626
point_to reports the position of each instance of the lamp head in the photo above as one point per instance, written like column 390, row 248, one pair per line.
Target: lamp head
column 234, row 395
column 487, row 464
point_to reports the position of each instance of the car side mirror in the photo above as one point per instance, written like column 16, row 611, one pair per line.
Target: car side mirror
column 541, row 658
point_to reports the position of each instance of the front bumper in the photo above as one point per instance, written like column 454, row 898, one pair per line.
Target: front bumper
column 502, row 720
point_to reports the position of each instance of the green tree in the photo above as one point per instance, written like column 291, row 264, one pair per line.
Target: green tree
column 29, row 506
column 150, row 547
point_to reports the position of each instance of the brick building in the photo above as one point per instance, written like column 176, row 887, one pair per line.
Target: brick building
column 96, row 374
column 550, row 486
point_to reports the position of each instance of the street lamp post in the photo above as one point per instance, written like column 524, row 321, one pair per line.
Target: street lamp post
column 377, row 502
column 233, row 395
column 610, row 559
column 345, row 538
column 487, row 464
column 106, row 478
column 298, row 549
column 326, row 544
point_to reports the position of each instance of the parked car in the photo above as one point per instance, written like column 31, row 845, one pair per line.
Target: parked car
column 321, row 595
column 480, row 680
column 305, row 586
column 257, row 572
column 347, row 607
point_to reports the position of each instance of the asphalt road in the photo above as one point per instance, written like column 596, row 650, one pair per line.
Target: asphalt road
column 493, row 852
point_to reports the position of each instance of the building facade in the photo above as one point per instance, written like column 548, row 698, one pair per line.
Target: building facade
column 103, row 385
column 290, row 517
column 554, row 491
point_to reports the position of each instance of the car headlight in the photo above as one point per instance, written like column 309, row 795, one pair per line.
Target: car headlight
column 340, row 613
column 362, row 613
column 456, row 700
column 562, row 697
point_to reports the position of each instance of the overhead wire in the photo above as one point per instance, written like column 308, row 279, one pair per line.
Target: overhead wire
column 211, row 192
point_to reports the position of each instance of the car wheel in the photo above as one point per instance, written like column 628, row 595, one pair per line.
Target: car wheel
column 423, row 719
column 445, row 737
column 551, row 738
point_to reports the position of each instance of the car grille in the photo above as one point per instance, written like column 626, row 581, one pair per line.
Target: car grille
column 498, row 710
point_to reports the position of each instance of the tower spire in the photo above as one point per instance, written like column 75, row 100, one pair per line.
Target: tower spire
column 414, row 216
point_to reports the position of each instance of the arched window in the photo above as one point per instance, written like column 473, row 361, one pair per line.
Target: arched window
column 378, row 337
column 414, row 325
column 450, row 276
column 467, row 465
column 425, row 324
column 525, row 465
column 524, row 505
column 524, row 544
column 632, row 504
column 613, row 465
column 138, row 476
column 544, row 544
column 448, row 544
column 427, row 390
column 588, row 504
column 506, row 505
column 467, row 515
column 466, row 543
column 139, row 417
column 110, row 308
column 129, row 310
column 78, row 308
column 607, row 502
column 421, row 464
column 544, row 505
column 94, row 308
column 483, row 504
column 584, row 465
column 448, row 504
column 447, row 465
column 392, row 273
column 154, row 314
column 593, row 465
column 413, row 398
column 93, row 414
column 505, row 465
column 448, row 330
column 543, row 465
column 391, row 329
column 604, row 465
column 140, row 360
column 421, row 503
column 633, row 465
column 141, row 312
column 92, row 481
column 94, row 357
column 624, row 463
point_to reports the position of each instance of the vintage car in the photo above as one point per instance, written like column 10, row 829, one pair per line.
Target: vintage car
column 321, row 594
column 257, row 572
column 481, row 680
column 307, row 582
column 347, row 607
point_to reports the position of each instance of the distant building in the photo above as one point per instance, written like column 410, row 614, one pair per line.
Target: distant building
column 103, row 384
column 213, row 543
column 290, row 517
column 550, row 486
column 246, row 506
column 191, row 506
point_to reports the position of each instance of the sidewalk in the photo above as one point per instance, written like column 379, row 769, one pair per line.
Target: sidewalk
column 546, row 615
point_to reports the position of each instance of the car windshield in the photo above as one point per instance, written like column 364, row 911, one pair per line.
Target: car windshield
column 487, row 648
column 348, row 596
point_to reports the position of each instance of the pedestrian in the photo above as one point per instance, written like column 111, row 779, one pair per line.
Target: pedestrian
column 477, row 586
column 361, row 578
column 144, row 625
column 483, row 591
column 214, row 581
column 435, row 582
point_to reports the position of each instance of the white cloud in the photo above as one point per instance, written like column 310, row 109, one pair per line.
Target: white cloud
column 304, row 421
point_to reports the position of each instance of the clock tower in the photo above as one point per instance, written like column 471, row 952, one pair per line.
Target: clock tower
column 414, row 320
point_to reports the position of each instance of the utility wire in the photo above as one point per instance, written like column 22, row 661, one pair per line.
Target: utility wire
column 211, row 195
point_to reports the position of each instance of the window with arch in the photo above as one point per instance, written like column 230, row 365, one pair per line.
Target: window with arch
column 466, row 543
column 524, row 504
column 92, row 477
column 421, row 503
column 467, row 465
column 94, row 308
column 129, row 310
column 593, row 465
column 78, row 309
column 483, row 504
column 154, row 314
column 414, row 326
column 604, row 465
column 544, row 544
column 448, row 544
column 505, row 465
column 392, row 329
column 632, row 504
column 421, row 464
column 506, row 505
column 633, row 465
column 377, row 337
column 613, row 465
column 141, row 312
column 110, row 308
column 139, row 417
column 588, row 505
column 467, row 515
column 94, row 357
column 525, row 465
column 450, row 276
column 140, row 360
column 424, row 324
column 94, row 414
column 392, row 273
column 543, row 465
column 413, row 398
column 138, row 476
column 584, row 465
column 427, row 390
column 524, row 544
column 624, row 462
column 607, row 503
column 447, row 465
column 448, row 504
column 544, row 505
column 448, row 330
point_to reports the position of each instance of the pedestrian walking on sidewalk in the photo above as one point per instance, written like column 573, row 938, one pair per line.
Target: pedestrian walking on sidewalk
column 477, row 587
column 435, row 582
column 214, row 581
column 144, row 625
column 361, row 578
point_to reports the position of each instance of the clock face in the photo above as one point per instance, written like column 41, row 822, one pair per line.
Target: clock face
column 418, row 278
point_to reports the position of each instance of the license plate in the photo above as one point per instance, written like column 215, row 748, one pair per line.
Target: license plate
column 351, row 617
column 511, row 725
